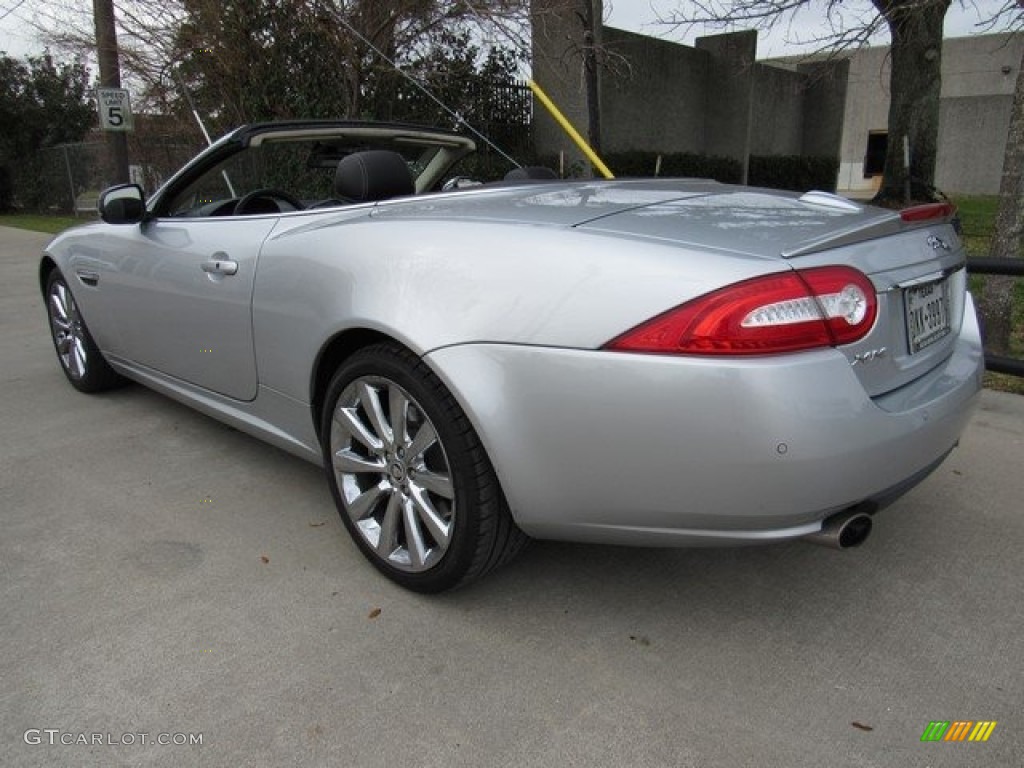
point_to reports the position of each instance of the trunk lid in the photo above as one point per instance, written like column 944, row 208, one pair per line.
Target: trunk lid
column 916, row 263
column 916, row 266
column 770, row 224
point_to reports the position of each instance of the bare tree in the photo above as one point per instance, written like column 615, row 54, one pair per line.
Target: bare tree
column 915, row 30
column 248, row 50
column 996, row 301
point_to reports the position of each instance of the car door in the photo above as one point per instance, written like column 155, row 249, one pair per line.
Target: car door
column 180, row 291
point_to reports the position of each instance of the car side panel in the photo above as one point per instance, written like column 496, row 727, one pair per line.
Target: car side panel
column 149, row 301
column 432, row 284
column 80, row 253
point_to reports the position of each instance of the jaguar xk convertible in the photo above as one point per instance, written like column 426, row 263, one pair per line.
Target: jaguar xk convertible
column 654, row 362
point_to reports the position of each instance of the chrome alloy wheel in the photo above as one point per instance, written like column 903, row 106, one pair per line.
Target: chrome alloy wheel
column 393, row 473
column 68, row 330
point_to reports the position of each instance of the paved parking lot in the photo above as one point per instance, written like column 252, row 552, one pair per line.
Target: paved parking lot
column 163, row 574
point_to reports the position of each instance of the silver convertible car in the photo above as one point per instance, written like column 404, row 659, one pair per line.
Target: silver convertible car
column 655, row 362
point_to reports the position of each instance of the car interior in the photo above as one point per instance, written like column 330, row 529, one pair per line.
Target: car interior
column 293, row 174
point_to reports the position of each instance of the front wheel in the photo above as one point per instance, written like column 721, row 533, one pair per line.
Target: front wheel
column 409, row 475
column 79, row 357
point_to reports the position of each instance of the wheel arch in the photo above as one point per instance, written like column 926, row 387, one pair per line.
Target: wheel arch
column 46, row 267
column 332, row 354
column 488, row 535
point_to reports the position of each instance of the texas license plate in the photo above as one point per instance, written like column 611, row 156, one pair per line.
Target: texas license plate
column 927, row 310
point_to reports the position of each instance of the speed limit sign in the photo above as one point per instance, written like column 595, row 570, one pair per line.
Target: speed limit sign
column 115, row 109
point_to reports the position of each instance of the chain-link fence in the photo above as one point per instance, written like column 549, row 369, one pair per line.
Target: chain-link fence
column 69, row 177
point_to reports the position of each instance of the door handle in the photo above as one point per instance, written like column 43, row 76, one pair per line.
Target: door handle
column 220, row 267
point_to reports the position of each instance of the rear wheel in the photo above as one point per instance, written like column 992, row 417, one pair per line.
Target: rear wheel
column 409, row 475
column 79, row 357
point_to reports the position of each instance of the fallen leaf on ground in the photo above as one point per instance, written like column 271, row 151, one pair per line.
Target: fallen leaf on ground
column 861, row 726
column 374, row 613
column 265, row 559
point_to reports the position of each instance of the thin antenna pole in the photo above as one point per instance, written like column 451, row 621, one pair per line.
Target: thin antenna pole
column 202, row 127
column 458, row 118
column 192, row 106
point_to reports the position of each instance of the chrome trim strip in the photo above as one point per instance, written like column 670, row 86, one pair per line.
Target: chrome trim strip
column 931, row 277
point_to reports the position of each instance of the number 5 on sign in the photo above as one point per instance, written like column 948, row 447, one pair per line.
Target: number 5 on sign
column 115, row 109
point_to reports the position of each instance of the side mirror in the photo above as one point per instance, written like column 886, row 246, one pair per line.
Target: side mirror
column 123, row 204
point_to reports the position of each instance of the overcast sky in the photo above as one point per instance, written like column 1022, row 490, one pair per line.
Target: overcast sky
column 17, row 37
column 642, row 16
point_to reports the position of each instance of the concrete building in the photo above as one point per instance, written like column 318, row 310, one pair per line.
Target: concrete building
column 978, row 78
column 716, row 98
column 660, row 96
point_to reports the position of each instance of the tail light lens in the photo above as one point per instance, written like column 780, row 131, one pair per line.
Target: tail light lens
column 773, row 314
column 927, row 212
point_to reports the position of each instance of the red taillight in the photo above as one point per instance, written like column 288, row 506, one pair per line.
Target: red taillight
column 784, row 312
column 927, row 212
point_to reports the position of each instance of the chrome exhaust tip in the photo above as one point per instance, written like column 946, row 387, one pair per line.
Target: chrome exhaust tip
column 842, row 531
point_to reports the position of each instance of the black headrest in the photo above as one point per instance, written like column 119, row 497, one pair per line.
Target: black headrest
column 375, row 174
column 530, row 173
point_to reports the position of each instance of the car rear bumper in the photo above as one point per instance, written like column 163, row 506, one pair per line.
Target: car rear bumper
column 662, row 451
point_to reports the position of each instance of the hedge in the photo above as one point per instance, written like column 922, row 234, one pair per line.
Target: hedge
column 792, row 172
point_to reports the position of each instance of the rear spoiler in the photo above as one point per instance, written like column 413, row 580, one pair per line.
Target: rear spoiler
column 887, row 223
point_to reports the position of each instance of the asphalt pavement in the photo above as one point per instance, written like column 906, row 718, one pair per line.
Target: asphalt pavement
column 165, row 578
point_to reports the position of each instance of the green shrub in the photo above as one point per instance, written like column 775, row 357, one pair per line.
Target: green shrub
column 640, row 163
column 794, row 172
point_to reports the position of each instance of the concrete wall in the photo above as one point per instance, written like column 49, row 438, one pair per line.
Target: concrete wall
column 727, row 109
column 714, row 98
column 660, row 96
column 867, row 110
column 824, row 106
column 973, row 116
column 972, row 137
column 978, row 78
column 972, row 66
column 778, row 111
column 642, row 72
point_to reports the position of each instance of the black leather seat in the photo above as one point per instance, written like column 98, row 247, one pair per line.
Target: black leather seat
column 376, row 174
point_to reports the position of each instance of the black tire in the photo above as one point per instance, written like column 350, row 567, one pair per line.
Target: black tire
column 77, row 353
column 429, row 519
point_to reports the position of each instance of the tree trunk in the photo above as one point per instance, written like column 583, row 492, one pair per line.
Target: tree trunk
column 915, row 27
column 110, row 77
column 591, row 41
column 997, row 298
